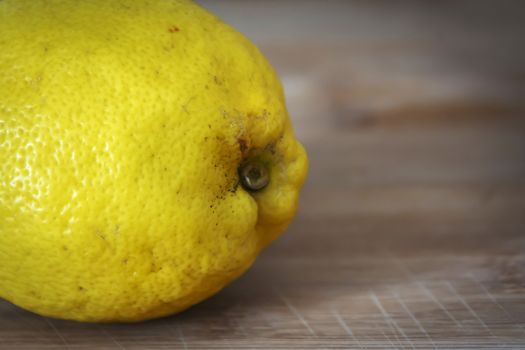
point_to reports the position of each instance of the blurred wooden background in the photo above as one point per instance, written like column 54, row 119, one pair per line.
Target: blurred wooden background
column 411, row 231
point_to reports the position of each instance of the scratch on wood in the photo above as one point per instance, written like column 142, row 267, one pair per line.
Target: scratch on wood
column 414, row 318
column 297, row 314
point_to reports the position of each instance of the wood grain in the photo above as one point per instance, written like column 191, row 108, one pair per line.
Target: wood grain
column 411, row 230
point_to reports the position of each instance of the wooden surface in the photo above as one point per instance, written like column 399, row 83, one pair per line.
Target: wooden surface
column 411, row 231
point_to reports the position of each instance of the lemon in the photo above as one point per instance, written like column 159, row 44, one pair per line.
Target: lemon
column 146, row 157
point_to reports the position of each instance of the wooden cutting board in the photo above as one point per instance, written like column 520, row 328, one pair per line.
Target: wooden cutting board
column 411, row 230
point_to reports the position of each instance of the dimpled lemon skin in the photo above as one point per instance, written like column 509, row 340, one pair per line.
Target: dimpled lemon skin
column 122, row 128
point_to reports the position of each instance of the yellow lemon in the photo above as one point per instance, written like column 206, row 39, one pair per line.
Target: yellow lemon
column 146, row 157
